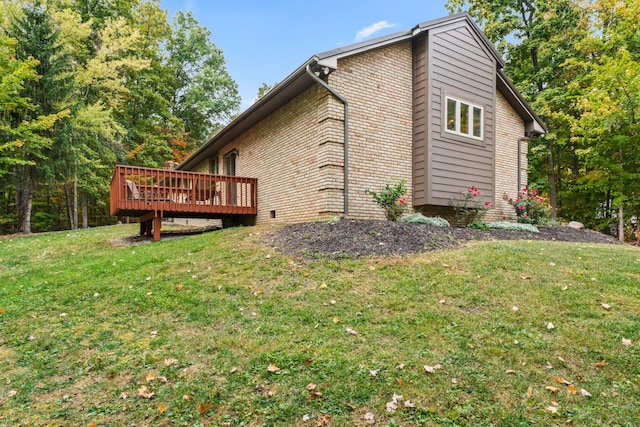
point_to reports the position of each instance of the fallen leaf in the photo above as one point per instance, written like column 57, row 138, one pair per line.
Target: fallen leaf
column 561, row 359
column 179, row 287
column 336, row 320
column 525, row 277
column 454, row 381
column 585, row 393
column 564, row 288
column 323, row 420
column 391, row 406
column 551, row 409
column 549, row 365
column 560, row 380
column 571, row 389
column 124, row 395
column 601, row 364
column 1, row 310
column 432, row 369
column 514, row 308
column 530, row 392
column 150, row 376
column 203, row 408
column 186, row 397
column 369, row 418
column 409, row 404
column 162, row 408
column 332, row 302
column 63, row 314
column 234, row 369
column 509, row 372
column 154, row 333
column 626, row 342
column 552, row 389
column 170, row 361
column 145, row 392
column 374, row 372
column 351, row 331
column 550, row 326
column 273, row 368
column 272, row 392
column 12, row 393
column 306, row 418
column 396, row 398
column 552, row 264
column 400, row 381
column 606, row 306
column 311, row 386
column 400, row 366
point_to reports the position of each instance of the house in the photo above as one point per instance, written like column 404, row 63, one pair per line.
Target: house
column 429, row 105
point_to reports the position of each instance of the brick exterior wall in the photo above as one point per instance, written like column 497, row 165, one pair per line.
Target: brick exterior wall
column 287, row 153
column 297, row 152
column 509, row 128
column 378, row 86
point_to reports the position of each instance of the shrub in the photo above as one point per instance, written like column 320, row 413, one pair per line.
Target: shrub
column 391, row 199
column 503, row 225
column 529, row 206
column 417, row 218
column 470, row 207
column 478, row 225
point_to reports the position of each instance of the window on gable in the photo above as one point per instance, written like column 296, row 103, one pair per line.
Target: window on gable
column 464, row 118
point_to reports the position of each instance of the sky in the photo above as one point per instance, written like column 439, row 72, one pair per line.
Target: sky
column 263, row 41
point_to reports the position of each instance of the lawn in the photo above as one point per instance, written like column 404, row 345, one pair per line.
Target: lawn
column 219, row 329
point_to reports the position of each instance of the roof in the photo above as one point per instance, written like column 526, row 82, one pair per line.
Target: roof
column 299, row 80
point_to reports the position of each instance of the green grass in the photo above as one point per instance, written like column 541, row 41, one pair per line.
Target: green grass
column 84, row 321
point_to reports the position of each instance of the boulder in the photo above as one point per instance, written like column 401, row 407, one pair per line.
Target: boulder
column 577, row 225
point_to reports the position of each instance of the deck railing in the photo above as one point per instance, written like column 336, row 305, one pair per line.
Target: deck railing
column 135, row 190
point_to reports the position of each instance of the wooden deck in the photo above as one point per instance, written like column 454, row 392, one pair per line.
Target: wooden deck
column 151, row 194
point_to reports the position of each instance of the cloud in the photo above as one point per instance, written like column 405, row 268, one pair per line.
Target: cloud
column 372, row 29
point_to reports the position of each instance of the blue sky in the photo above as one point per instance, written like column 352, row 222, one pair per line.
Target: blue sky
column 264, row 41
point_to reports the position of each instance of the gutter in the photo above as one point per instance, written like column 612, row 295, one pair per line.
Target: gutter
column 346, row 135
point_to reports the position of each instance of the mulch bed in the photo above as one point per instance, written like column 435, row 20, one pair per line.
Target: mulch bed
column 353, row 238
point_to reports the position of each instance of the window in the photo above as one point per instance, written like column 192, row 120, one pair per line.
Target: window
column 464, row 118
column 230, row 162
column 214, row 166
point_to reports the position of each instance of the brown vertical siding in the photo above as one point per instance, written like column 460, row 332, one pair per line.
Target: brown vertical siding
column 459, row 66
column 420, row 112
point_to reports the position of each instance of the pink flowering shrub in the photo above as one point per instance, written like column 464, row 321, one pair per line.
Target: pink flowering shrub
column 391, row 199
column 529, row 206
column 470, row 207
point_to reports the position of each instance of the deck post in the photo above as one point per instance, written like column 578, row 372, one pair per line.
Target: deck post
column 157, row 223
column 143, row 229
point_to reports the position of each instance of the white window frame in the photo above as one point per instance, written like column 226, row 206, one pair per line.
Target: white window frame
column 457, row 130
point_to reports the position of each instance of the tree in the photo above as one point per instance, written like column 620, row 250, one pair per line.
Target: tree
column 36, row 41
column 204, row 94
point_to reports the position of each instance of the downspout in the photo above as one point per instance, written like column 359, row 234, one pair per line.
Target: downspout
column 346, row 136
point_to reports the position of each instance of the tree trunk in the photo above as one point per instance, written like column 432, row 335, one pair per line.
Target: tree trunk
column 68, row 191
column 22, row 182
column 551, row 175
column 85, row 213
column 75, row 197
column 621, row 223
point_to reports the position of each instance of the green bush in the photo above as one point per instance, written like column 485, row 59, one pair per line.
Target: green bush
column 478, row 225
column 470, row 206
column 417, row 218
column 503, row 225
column 391, row 199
